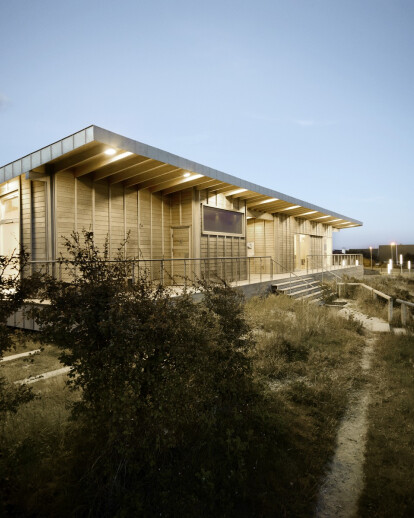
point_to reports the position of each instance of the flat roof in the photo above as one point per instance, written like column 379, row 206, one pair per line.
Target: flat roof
column 102, row 154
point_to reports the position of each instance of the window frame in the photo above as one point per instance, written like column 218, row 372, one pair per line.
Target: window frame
column 214, row 233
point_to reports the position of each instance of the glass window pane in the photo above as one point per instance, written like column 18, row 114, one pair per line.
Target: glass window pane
column 9, row 207
column 222, row 221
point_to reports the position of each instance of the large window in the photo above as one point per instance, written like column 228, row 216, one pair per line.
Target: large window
column 221, row 221
column 9, row 224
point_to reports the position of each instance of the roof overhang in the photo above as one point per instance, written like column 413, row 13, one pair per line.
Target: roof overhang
column 103, row 155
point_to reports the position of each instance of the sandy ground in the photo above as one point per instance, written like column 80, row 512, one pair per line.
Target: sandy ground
column 340, row 491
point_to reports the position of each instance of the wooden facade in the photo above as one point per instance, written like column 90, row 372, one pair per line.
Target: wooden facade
column 155, row 226
column 155, row 201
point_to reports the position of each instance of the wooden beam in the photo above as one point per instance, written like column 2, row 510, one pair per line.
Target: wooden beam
column 96, row 163
column 75, row 159
column 229, row 189
column 151, row 178
column 254, row 199
column 212, row 185
column 259, row 202
column 151, row 172
column 178, row 187
column 145, row 167
column 244, row 194
column 218, row 188
column 125, row 165
column 184, row 182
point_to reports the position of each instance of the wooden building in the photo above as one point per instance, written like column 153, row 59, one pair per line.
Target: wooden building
column 170, row 207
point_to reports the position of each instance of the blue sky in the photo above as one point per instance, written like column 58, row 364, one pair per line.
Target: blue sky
column 313, row 98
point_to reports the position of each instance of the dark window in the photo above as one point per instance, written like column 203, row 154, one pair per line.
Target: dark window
column 222, row 221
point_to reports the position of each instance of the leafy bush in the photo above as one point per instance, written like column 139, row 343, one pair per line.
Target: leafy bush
column 13, row 290
column 170, row 420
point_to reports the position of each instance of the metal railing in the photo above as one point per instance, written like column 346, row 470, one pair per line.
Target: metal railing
column 328, row 262
column 374, row 294
column 171, row 272
column 406, row 306
column 405, row 310
column 291, row 272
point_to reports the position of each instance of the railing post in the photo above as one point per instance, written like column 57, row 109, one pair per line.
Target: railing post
column 390, row 308
column 185, row 274
column 248, row 267
column 260, row 268
column 403, row 314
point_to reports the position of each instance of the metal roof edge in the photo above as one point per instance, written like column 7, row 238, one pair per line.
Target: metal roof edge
column 96, row 133
column 45, row 154
column 139, row 148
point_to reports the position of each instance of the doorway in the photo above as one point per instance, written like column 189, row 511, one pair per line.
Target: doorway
column 180, row 249
column 301, row 250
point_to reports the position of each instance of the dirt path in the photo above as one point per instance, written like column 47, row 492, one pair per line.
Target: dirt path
column 340, row 491
column 44, row 376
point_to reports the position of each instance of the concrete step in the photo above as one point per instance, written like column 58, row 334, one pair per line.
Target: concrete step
column 298, row 287
column 306, row 292
column 315, row 295
column 287, row 282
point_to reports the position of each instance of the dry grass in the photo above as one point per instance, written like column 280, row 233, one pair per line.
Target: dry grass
column 300, row 339
column 389, row 465
column 38, row 363
column 308, row 356
column 397, row 287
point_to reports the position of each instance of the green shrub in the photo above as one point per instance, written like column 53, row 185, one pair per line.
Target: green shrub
column 170, row 420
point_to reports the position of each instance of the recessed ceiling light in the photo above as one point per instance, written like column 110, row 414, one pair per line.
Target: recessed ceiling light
column 307, row 213
column 290, row 208
column 110, row 151
column 186, row 175
column 122, row 155
column 267, row 201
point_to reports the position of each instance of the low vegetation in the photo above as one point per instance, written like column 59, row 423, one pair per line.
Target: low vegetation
column 218, row 406
column 178, row 408
column 389, row 464
column 398, row 287
column 13, row 291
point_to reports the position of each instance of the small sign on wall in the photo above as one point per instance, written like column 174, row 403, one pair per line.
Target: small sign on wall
column 250, row 248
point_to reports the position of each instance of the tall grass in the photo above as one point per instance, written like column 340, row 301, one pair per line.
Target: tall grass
column 306, row 356
column 389, row 462
column 34, row 450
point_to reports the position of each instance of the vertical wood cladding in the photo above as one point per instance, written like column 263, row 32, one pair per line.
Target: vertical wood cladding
column 276, row 238
column 33, row 214
column 114, row 212
column 26, row 225
column 218, row 245
column 39, row 234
